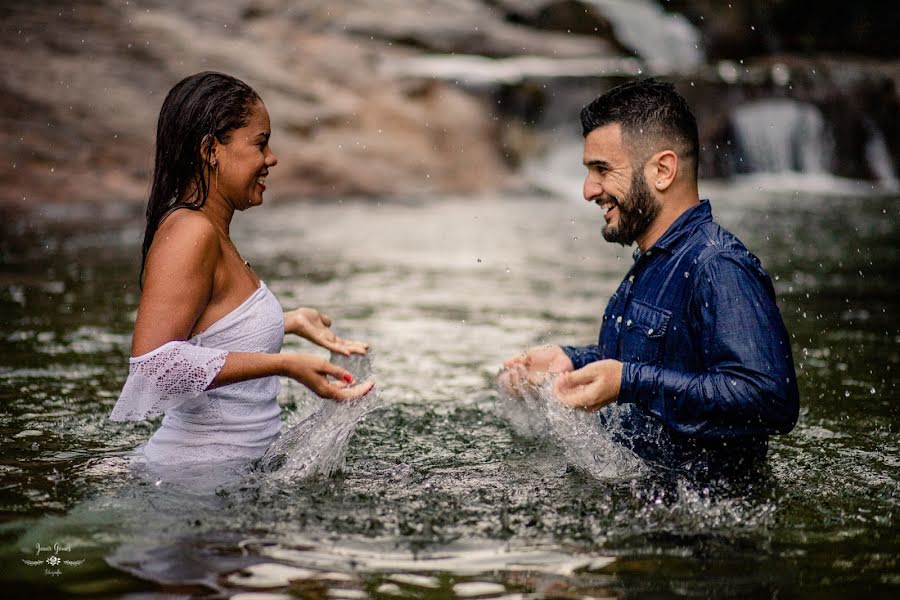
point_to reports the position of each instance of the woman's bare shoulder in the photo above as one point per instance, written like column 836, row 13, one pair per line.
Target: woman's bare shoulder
column 185, row 236
column 186, row 222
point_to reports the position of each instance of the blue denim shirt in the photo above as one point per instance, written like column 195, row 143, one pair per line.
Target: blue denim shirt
column 707, row 360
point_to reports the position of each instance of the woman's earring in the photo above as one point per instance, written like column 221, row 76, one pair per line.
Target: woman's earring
column 216, row 165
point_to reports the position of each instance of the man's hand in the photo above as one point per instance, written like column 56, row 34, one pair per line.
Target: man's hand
column 532, row 368
column 314, row 326
column 591, row 387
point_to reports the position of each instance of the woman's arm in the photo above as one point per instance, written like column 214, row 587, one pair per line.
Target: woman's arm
column 312, row 371
column 178, row 280
column 178, row 286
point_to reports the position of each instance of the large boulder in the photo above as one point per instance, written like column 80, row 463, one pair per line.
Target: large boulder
column 81, row 89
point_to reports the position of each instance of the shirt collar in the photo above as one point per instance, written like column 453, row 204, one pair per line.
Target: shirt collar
column 683, row 225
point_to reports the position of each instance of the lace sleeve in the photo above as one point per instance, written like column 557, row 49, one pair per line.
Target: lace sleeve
column 165, row 378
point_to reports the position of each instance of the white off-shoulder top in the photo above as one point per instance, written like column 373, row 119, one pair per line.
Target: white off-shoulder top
column 237, row 421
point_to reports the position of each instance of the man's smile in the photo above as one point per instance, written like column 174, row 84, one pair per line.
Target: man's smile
column 607, row 204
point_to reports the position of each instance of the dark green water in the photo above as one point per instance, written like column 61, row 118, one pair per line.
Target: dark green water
column 439, row 496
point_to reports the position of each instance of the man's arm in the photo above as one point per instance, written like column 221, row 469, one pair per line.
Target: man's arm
column 748, row 385
column 582, row 355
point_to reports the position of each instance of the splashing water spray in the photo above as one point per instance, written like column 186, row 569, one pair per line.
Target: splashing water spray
column 318, row 444
column 586, row 445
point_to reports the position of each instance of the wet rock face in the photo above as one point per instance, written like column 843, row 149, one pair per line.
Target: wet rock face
column 82, row 86
column 744, row 28
column 466, row 26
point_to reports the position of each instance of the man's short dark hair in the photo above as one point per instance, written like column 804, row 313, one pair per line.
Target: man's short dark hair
column 653, row 117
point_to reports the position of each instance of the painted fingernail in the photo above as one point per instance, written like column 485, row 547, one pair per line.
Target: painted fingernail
column 348, row 377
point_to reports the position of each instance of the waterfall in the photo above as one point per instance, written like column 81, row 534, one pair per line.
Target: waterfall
column 879, row 158
column 781, row 135
column 666, row 41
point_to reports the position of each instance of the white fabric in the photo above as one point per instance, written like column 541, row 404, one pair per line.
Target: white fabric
column 237, row 421
column 165, row 378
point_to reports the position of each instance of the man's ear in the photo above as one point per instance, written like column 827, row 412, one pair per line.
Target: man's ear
column 663, row 170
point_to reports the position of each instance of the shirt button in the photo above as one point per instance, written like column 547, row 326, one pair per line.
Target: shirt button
column 619, row 319
column 628, row 322
column 631, row 279
column 650, row 331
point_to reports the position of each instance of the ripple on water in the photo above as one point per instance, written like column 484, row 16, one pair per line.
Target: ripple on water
column 443, row 469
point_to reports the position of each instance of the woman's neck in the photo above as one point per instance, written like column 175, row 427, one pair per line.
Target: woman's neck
column 219, row 212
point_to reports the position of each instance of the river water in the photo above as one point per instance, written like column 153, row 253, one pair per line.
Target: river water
column 434, row 489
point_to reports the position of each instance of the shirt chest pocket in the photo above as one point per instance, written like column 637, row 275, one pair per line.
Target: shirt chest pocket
column 643, row 332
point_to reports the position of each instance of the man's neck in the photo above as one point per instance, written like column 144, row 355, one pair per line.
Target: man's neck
column 674, row 204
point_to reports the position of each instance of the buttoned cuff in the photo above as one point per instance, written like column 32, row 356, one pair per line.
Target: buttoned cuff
column 581, row 355
column 628, row 388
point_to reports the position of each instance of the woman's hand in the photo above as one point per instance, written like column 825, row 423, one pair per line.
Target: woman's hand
column 314, row 372
column 313, row 325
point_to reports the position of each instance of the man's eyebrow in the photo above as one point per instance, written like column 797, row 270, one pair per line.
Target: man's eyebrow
column 598, row 163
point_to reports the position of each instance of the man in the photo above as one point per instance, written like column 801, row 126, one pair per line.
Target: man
column 692, row 347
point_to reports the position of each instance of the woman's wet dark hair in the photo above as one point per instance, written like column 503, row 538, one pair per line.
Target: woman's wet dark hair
column 199, row 109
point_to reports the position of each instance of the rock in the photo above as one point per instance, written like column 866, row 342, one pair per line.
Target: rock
column 451, row 26
column 81, row 90
column 747, row 28
column 570, row 16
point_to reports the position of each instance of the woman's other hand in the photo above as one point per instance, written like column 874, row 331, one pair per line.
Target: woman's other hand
column 313, row 325
column 315, row 372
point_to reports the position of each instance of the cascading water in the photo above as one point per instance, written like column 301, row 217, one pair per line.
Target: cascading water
column 781, row 135
column 879, row 158
column 666, row 41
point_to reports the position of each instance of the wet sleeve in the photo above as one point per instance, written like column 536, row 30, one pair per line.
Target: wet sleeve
column 165, row 378
column 748, row 384
column 582, row 355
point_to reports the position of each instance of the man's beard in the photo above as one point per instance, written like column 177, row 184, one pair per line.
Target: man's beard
column 637, row 210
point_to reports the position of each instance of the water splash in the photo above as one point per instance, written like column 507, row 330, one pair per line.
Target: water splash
column 318, row 444
column 586, row 445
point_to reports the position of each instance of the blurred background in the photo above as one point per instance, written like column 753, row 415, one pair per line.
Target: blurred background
column 428, row 197
column 403, row 97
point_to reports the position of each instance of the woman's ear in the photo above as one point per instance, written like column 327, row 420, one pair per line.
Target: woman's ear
column 208, row 146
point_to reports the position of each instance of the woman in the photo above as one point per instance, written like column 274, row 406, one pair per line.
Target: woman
column 208, row 333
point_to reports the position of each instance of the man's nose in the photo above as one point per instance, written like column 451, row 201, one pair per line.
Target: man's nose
column 592, row 189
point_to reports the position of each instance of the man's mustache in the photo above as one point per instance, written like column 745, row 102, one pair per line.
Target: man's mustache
column 607, row 198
